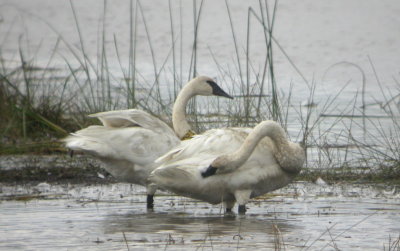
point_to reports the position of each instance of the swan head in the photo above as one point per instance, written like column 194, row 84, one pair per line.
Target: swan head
column 206, row 86
column 219, row 164
column 201, row 85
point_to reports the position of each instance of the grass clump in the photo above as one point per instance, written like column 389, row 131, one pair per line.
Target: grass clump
column 382, row 174
column 25, row 112
column 31, row 115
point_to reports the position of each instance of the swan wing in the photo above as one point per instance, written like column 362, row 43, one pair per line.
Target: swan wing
column 183, row 165
column 135, row 144
column 202, row 149
column 211, row 143
column 132, row 118
column 86, row 140
column 181, row 175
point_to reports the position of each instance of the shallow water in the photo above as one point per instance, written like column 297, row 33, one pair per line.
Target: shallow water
column 114, row 217
column 316, row 35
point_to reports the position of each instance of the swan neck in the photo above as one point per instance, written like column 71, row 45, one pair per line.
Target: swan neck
column 264, row 129
column 179, row 121
column 290, row 156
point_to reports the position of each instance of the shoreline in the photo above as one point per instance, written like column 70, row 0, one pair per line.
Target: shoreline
column 83, row 169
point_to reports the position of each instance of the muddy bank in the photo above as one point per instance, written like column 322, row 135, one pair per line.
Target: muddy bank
column 62, row 168
column 54, row 168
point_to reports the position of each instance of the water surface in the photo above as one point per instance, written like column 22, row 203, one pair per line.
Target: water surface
column 302, row 216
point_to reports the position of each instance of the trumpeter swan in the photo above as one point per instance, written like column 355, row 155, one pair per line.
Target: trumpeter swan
column 129, row 141
column 230, row 165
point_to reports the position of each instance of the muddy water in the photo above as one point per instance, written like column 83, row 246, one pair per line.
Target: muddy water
column 302, row 216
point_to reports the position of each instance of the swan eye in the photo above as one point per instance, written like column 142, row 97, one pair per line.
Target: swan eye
column 216, row 90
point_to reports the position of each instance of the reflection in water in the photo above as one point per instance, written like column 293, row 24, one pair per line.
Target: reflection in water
column 92, row 218
column 187, row 223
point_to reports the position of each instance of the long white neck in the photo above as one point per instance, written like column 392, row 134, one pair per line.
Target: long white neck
column 290, row 156
column 179, row 122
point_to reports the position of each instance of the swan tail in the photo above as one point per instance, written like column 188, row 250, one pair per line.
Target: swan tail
column 168, row 156
column 88, row 145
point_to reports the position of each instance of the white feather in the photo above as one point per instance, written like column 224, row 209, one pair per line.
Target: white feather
column 271, row 164
column 129, row 141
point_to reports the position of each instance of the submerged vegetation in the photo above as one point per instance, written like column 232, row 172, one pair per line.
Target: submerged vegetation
column 41, row 104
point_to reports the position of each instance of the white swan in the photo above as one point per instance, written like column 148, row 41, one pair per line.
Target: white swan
column 228, row 165
column 129, row 141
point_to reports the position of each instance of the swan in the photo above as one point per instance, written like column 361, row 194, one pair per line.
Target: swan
column 230, row 165
column 130, row 140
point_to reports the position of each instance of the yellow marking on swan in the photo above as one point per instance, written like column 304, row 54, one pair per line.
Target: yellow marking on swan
column 188, row 135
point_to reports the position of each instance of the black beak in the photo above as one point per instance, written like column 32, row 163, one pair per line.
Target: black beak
column 218, row 90
column 210, row 171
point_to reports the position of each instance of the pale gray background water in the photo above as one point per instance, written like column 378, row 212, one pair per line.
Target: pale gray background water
column 314, row 34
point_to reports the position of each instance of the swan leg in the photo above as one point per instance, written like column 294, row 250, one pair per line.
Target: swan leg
column 150, row 201
column 242, row 197
column 242, row 209
column 228, row 206
column 151, row 190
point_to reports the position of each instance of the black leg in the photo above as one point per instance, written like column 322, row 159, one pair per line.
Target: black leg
column 242, row 209
column 150, row 201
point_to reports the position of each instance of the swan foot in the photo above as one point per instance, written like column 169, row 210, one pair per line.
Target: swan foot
column 229, row 213
column 210, row 171
column 228, row 205
column 150, row 201
column 242, row 209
